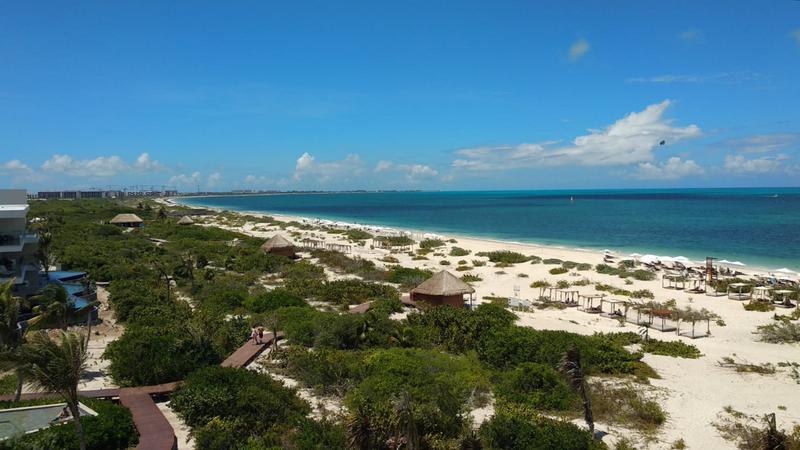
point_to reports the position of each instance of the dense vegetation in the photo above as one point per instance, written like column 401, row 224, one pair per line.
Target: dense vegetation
column 188, row 300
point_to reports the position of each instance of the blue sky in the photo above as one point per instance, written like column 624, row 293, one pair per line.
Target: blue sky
column 400, row 95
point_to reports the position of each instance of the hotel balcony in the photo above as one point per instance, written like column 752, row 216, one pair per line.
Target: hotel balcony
column 14, row 243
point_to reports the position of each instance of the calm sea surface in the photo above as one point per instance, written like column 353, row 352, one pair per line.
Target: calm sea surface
column 759, row 227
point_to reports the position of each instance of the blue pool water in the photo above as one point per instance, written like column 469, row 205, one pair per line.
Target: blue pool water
column 760, row 227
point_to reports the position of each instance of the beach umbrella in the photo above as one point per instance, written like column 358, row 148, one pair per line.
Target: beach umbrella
column 649, row 259
column 785, row 270
column 607, row 251
column 683, row 260
column 635, row 255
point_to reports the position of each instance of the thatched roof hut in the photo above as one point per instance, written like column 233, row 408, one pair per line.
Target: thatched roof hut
column 443, row 288
column 279, row 245
column 127, row 220
column 185, row 220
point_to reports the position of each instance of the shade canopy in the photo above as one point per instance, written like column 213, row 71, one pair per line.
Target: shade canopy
column 126, row 218
column 185, row 220
column 785, row 270
column 444, row 284
column 276, row 241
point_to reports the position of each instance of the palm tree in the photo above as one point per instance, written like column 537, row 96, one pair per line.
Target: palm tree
column 11, row 336
column 162, row 213
column 406, row 432
column 57, row 365
column 43, row 252
column 359, row 430
column 572, row 369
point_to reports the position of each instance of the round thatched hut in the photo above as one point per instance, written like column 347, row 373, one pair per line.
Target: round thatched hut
column 443, row 288
column 127, row 220
column 279, row 245
column 186, row 220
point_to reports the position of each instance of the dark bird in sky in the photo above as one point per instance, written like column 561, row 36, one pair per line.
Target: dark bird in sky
column 662, row 142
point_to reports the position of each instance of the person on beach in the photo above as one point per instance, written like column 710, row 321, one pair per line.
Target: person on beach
column 260, row 334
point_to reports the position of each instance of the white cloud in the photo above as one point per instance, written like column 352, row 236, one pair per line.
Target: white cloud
column 763, row 143
column 253, row 180
column 185, row 180
column 383, row 166
column 214, row 180
column 690, row 35
column 15, row 167
column 795, row 34
column 413, row 172
column 307, row 166
column 718, row 77
column 741, row 165
column 672, row 169
column 145, row 164
column 578, row 49
column 102, row 166
column 630, row 140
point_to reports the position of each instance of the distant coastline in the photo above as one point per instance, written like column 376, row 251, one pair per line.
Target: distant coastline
column 426, row 219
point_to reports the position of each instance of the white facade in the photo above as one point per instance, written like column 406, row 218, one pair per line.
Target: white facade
column 18, row 260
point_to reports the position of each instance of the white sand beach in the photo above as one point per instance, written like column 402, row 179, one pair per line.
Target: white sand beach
column 692, row 391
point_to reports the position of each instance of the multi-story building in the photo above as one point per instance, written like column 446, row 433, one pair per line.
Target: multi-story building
column 18, row 246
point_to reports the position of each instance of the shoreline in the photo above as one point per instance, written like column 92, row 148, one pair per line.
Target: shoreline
column 752, row 270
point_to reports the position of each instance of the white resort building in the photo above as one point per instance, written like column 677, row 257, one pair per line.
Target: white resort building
column 18, row 259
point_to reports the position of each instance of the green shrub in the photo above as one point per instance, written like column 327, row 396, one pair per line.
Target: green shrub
column 759, row 306
column 252, row 401
column 644, row 275
column 148, row 355
column 508, row 347
column 511, row 431
column 562, row 284
column 325, row 370
column 444, row 262
column 434, row 386
column 395, row 241
column 540, row 284
column 676, row 349
column 408, row 277
column 458, row 251
column 351, row 292
column 504, row 256
column 470, row 278
column 558, row 271
column 535, row 385
column 582, row 267
column 478, row 263
column 431, row 243
column 782, row 332
column 552, row 261
column 272, row 300
column 569, row 265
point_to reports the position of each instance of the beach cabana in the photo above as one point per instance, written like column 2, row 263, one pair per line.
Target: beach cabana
column 127, row 220
column 673, row 281
column 783, row 298
column 762, row 293
column 587, row 303
column 697, row 284
column 279, row 245
column 663, row 319
column 612, row 308
column 186, row 220
column 443, row 288
column 568, row 297
column 739, row 291
column 643, row 316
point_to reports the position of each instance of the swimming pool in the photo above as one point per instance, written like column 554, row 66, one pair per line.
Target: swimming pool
column 30, row 419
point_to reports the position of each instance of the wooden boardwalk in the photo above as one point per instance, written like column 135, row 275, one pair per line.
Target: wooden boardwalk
column 247, row 353
column 155, row 432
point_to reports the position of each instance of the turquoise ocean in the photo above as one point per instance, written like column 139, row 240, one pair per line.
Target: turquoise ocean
column 760, row 227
